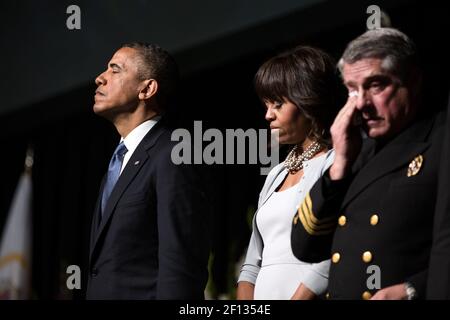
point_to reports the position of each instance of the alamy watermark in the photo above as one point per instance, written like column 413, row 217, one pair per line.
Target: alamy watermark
column 374, row 20
column 74, row 20
column 377, row 19
column 74, row 279
column 235, row 147
column 374, row 280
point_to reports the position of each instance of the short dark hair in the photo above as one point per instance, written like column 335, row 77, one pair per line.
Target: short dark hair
column 157, row 63
column 308, row 78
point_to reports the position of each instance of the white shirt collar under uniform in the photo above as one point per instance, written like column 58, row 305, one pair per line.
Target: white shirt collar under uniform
column 135, row 137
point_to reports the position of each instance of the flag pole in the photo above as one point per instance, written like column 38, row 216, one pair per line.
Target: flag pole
column 15, row 241
column 29, row 160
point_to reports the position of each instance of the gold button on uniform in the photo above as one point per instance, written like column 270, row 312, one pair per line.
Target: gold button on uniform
column 342, row 220
column 336, row 257
column 374, row 220
column 366, row 295
column 367, row 256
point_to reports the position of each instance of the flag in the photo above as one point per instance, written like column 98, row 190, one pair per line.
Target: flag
column 15, row 246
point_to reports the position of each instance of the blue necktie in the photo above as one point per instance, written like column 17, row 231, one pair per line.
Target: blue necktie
column 113, row 173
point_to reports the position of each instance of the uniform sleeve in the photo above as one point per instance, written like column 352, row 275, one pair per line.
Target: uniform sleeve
column 419, row 282
column 438, row 286
column 316, row 219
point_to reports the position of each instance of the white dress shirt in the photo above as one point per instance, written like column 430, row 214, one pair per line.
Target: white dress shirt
column 135, row 137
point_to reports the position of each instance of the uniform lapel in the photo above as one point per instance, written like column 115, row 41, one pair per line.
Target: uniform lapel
column 396, row 154
column 134, row 165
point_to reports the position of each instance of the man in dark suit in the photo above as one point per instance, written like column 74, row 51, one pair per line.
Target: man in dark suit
column 438, row 286
column 149, row 237
column 372, row 211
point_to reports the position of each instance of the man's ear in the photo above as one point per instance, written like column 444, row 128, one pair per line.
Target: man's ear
column 149, row 89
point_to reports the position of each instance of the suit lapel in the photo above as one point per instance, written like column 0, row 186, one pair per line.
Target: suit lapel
column 96, row 215
column 134, row 164
column 397, row 153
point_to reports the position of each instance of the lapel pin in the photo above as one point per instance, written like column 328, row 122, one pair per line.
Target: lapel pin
column 415, row 165
column 136, row 163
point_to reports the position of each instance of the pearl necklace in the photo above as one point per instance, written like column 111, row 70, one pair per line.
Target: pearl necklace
column 294, row 162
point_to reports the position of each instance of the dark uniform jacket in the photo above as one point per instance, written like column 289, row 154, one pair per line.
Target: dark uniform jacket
column 153, row 239
column 439, row 270
column 378, row 221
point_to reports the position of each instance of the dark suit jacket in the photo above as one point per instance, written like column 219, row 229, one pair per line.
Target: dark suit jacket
column 153, row 239
column 385, row 217
column 439, row 269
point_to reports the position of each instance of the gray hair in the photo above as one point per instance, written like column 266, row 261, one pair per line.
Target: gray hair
column 396, row 49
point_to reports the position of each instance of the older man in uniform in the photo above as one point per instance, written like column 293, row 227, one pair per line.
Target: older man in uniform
column 373, row 209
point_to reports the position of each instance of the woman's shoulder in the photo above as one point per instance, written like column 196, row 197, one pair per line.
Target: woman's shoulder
column 327, row 160
column 272, row 176
column 277, row 169
column 323, row 162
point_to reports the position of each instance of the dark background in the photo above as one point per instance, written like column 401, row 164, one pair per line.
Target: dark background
column 72, row 146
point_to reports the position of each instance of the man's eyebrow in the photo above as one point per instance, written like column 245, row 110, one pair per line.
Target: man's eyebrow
column 377, row 77
column 115, row 65
column 374, row 77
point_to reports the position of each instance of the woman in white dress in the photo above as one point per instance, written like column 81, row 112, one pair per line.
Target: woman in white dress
column 300, row 90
